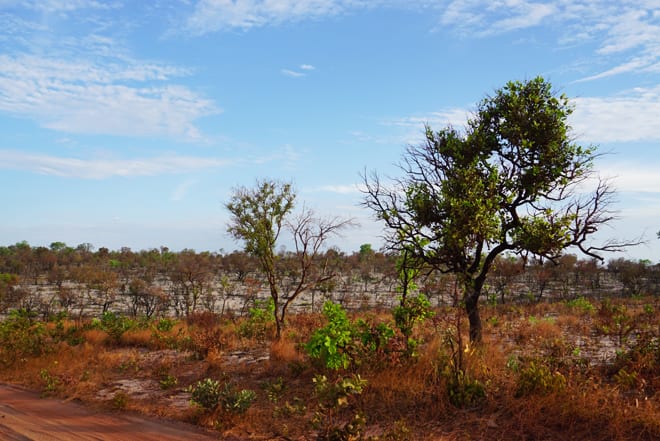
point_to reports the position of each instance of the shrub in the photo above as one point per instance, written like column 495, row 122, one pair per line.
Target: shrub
column 537, row 379
column 206, row 393
column 237, row 401
column 21, row 336
column 333, row 344
column 260, row 320
column 209, row 393
column 582, row 304
column 411, row 311
column 334, row 396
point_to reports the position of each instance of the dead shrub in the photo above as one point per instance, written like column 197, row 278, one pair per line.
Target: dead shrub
column 138, row 338
column 284, row 351
column 96, row 337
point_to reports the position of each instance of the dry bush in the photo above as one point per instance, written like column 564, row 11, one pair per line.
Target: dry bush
column 142, row 338
column 285, row 351
column 96, row 337
column 203, row 319
column 536, row 330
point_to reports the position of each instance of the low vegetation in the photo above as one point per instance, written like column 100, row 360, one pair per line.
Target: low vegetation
column 583, row 369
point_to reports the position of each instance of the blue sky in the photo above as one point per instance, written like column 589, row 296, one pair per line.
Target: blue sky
column 127, row 123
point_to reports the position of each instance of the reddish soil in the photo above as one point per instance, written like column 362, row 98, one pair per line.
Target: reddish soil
column 24, row 416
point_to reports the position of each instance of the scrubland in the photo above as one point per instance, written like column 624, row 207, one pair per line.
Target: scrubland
column 581, row 369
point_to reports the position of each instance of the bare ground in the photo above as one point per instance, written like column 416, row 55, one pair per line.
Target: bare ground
column 24, row 416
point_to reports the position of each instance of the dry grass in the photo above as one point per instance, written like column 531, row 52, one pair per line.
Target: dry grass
column 406, row 400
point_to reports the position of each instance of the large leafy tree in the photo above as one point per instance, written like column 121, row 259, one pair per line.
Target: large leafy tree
column 259, row 215
column 513, row 181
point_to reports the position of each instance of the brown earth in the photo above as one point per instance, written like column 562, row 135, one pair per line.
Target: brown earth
column 24, row 416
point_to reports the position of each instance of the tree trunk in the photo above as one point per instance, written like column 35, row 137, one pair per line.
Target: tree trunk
column 472, row 309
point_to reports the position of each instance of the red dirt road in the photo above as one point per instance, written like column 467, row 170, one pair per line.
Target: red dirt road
column 24, row 416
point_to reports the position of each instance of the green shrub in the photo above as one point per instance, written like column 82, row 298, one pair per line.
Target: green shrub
column 21, row 336
column 260, row 320
column 538, row 379
column 582, row 304
column 237, row 401
column 463, row 390
column 335, row 397
column 333, row 344
column 411, row 311
column 165, row 324
column 209, row 393
column 168, row 381
column 206, row 393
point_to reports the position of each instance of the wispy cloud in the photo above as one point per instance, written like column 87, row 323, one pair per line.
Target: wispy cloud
column 84, row 97
column 292, row 73
column 495, row 17
column 338, row 189
column 633, row 177
column 627, row 33
column 629, row 116
column 64, row 6
column 218, row 15
column 456, row 117
column 182, row 189
column 105, row 168
column 79, row 78
column 302, row 71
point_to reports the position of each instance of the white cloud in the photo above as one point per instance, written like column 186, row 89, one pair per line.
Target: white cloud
column 627, row 33
column 494, row 17
column 182, row 189
column 631, row 177
column 217, row 15
column 292, row 73
column 338, row 189
column 84, row 97
column 63, row 6
column 302, row 72
column 629, row 116
column 104, row 168
column 454, row 117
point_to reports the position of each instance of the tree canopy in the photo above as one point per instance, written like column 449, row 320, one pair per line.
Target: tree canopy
column 513, row 181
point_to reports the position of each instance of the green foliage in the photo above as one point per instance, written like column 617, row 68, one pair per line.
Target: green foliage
column 51, row 382
column 538, row 379
column 260, row 318
column 21, row 336
column 463, row 390
column 626, row 379
column 116, row 324
column 455, row 368
column 120, row 400
column 616, row 320
column 206, row 393
column 209, row 393
column 334, row 343
column 258, row 215
column 582, row 304
column 168, row 381
column 411, row 310
column 343, row 343
column 334, row 396
column 165, row 324
column 237, row 401
column 274, row 389
column 507, row 184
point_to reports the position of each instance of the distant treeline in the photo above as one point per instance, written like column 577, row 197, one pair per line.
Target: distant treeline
column 81, row 281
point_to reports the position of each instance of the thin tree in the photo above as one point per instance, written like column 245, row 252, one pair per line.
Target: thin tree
column 259, row 216
column 513, row 182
